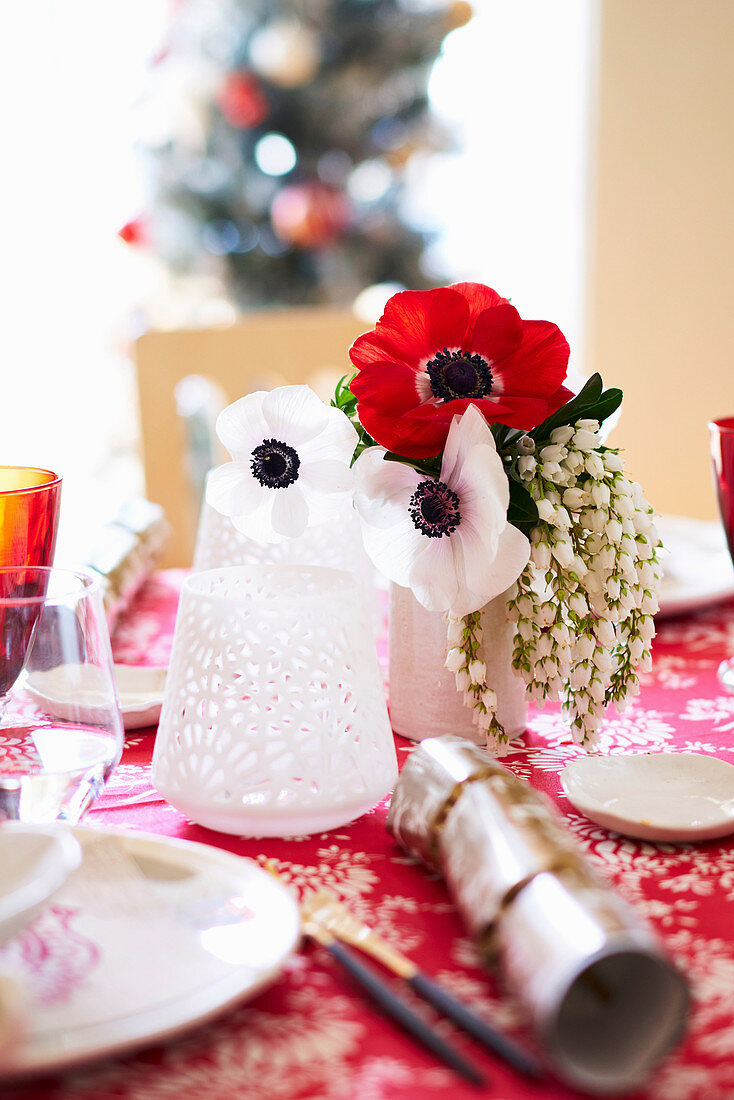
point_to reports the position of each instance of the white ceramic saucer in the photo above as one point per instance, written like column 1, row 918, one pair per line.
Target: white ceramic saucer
column 664, row 796
column 141, row 694
column 79, row 696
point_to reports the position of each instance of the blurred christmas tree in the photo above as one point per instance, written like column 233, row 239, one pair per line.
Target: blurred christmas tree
column 277, row 136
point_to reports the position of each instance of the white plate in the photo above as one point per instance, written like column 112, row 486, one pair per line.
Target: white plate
column 147, row 938
column 34, row 862
column 77, row 694
column 697, row 567
column 141, row 694
column 665, row 796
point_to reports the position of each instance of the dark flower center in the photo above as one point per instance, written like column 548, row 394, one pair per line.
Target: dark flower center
column 275, row 464
column 434, row 509
column 456, row 374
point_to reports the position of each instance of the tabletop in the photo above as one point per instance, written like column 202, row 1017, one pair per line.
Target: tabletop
column 312, row 1035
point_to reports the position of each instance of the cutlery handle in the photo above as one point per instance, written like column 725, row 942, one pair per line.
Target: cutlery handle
column 398, row 1010
column 473, row 1024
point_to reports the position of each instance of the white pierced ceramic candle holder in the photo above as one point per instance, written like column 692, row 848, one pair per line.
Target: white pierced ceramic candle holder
column 274, row 720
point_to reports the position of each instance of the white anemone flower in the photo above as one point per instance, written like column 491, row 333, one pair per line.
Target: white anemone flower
column 290, row 468
column 447, row 539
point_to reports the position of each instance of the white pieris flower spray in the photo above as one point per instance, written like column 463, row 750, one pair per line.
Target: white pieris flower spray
column 584, row 605
column 463, row 639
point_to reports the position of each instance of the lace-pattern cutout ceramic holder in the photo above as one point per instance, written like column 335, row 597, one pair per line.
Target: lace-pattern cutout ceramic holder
column 274, row 720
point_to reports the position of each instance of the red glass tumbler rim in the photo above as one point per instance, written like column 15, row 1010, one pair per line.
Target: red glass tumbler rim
column 722, row 424
column 87, row 586
column 53, row 479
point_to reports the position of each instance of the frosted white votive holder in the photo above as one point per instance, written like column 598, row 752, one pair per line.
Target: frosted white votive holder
column 274, row 720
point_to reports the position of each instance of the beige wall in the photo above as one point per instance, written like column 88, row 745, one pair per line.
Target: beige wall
column 661, row 270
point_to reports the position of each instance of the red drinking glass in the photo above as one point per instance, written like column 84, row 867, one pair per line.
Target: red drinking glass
column 29, row 516
column 722, row 453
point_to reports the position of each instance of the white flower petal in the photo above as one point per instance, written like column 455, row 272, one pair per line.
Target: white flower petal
column 486, row 575
column 294, row 414
column 394, row 550
column 326, row 507
column 326, row 476
column 242, row 426
column 483, row 504
column 232, row 490
column 466, row 431
column 337, row 439
column 383, row 489
column 437, row 573
column 482, row 481
column 258, row 525
column 290, row 512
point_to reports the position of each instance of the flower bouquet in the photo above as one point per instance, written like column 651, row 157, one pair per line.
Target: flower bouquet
column 477, row 475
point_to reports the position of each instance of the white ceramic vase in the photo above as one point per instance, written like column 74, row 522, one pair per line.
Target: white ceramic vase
column 424, row 701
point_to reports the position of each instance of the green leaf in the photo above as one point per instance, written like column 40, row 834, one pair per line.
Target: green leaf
column 343, row 397
column 365, row 441
column 523, row 511
column 608, row 403
column 593, row 402
column 429, row 466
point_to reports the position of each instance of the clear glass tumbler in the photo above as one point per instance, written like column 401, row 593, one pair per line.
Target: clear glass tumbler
column 61, row 732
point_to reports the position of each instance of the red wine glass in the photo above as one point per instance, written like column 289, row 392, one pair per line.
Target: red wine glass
column 722, row 453
column 29, row 516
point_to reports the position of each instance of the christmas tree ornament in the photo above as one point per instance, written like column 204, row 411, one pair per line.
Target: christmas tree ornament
column 242, row 102
column 286, row 53
column 134, row 232
column 460, row 13
column 275, row 155
column 309, row 215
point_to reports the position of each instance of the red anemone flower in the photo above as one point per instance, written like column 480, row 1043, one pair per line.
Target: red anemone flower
column 435, row 352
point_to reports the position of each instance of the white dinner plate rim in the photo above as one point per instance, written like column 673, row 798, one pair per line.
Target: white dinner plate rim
column 680, row 595
column 170, row 1020
column 586, row 802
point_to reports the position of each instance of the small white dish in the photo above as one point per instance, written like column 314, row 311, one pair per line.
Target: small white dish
column 35, row 861
column 663, row 796
column 697, row 568
column 75, row 694
column 147, row 938
column 141, row 692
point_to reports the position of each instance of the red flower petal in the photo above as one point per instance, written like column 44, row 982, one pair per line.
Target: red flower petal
column 558, row 399
column 479, row 297
column 409, row 435
column 516, row 412
column 538, row 365
column 415, row 325
column 386, row 386
column 497, row 333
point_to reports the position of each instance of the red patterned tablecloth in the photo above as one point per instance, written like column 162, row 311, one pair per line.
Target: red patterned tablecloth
column 311, row 1035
